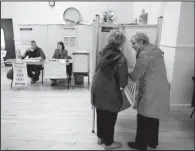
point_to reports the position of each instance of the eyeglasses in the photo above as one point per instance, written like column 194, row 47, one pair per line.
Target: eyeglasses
column 133, row 42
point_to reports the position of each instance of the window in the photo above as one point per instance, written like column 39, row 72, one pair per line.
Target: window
column 2, row 39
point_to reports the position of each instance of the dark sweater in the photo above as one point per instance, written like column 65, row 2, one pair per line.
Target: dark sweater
column 35, row 53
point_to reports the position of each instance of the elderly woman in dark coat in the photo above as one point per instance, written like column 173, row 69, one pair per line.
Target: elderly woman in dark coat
column 111, row 76
column 153, row 97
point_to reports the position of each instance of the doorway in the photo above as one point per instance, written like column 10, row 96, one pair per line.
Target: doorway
column 7, row 27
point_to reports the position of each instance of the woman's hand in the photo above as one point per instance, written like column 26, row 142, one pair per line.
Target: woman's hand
column 135, row 105
column 121, row 89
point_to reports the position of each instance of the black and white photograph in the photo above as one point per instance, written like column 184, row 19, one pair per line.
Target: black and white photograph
column 97, row 75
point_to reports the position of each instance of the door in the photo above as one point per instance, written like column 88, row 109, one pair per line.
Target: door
column 7, row 26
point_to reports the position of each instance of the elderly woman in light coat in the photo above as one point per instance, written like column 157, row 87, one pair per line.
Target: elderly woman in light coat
column 111, row 76
column 154, row 96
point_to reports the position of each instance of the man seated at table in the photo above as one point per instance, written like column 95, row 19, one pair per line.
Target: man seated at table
column 60, row 53
column 36, row 53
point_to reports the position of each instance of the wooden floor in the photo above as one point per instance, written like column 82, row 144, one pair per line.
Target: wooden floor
column 42, row 117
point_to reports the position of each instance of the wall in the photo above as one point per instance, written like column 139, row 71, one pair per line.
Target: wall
column 139, row 6
column 177, row 42
column 182, row 84
column 169, row 35
column 170, row 25
column 154, row 10
column 41, row 13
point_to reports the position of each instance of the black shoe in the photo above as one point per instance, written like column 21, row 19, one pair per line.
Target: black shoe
column 152, row 146
column 34, row 80
column 135, row 145
column 53, row 84
column 32, row 76
column 36, row 76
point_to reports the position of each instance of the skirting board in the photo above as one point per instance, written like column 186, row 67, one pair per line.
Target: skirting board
column 177, row 46
column 180, row 105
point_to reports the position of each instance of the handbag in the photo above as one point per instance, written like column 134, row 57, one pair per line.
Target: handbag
column 125, row 101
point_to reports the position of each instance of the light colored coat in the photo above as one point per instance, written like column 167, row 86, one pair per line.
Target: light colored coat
column 154, row 93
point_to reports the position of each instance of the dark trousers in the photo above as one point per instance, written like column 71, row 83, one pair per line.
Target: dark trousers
column 30, row 69
column 10, row 74
column 147, row 130
column 105, row 125
column 34, row 68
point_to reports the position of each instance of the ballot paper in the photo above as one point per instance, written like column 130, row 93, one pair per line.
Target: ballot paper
column 63, row 61
column 31, row 60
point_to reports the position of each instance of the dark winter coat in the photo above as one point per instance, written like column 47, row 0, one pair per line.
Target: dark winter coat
column 111, row 73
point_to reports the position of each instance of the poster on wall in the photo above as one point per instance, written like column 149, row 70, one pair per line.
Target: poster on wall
column 20, row 78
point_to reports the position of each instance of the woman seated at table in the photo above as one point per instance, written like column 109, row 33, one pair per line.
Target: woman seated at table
column 60, row 53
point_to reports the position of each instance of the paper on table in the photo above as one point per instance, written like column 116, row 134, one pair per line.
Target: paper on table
column 52, row 59
column 31, row 60
column 62, row 61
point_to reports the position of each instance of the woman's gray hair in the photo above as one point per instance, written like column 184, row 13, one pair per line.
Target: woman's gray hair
column 141, row 36
column 116, row 37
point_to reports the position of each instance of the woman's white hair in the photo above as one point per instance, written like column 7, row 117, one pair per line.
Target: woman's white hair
column 116, row 37
column 141, row 36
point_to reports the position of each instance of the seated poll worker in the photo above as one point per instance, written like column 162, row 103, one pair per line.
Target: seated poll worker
column 60, row 53
column 36, row 53
column 153, row 102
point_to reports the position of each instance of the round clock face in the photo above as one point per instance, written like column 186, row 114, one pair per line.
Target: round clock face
column 72, row 16
column 52, row 3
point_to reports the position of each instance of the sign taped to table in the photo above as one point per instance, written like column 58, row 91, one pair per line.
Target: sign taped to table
column 20, row 78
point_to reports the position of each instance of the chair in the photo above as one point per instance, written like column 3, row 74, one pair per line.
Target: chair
column 69, row 72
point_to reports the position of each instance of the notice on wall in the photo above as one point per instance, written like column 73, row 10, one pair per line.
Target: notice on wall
column 20, row 78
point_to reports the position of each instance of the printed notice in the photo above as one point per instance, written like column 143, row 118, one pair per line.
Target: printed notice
column 20, row 74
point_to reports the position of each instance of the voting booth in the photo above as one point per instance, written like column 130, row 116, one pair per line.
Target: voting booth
column 101, row 30
column 80, row 65
column 100, row 35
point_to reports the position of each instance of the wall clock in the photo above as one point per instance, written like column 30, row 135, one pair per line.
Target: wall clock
column 72, row 16
column 51, row 3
